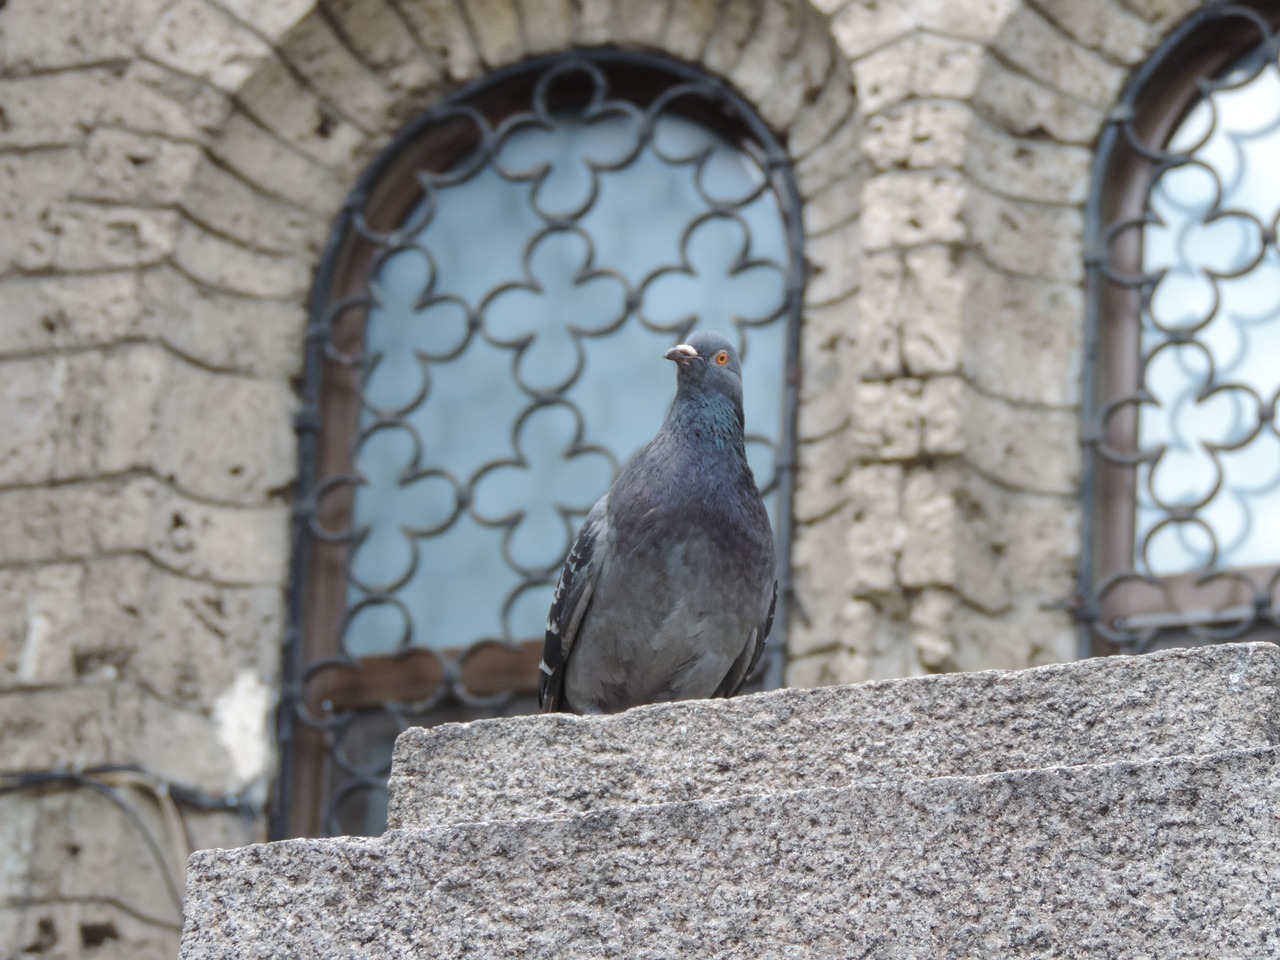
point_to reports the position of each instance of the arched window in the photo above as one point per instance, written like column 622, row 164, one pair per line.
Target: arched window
column 1182, row 481
column 486, row 351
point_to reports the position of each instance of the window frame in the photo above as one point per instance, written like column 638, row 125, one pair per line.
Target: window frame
column 303, row 802
column 1157, row 99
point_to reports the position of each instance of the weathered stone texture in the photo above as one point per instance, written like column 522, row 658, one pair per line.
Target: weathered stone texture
column 168, row 175
column 1032, row 43
column 1093, row 802
column 125, row 618
column 44, row 728
column 74, row 842
column 863, row 26
column 110, row 721
column 32, row 187
column 329, row 68
column 56, row 35
column 836, row 103
column 153, row 99
column 1161, row 14
column 1026, row 239
column 265, row 162
column 128, row 408
column 825, row 394
column 441, row 30
column 688, row 27
column 930, row 513
column 1096, row 711
column 73, row 929
column 804, row 71
column 910, row 209
column 202, row 39
column 834, row 257
column 1026, row 170
column 1012, row 538
column 633, row 23
column 888, row 419
column 919, row 134
column 496, row 27
column 923, row 65
column 1023, row 632
column 77, row 520
column 594, row 18
column 282, row 104
column 1023, row 338
column 1105, row 860
column 377, row 33
column 231, row 267
column 1031, row 448
column 52, row 110
column 547, row 25
column 223, row 330
column 922, row 291
column 234, row 210
column 834, row 204
column 945, row 416
column 272, row 20
column 1103, row 25
column 1023, row 105
column 834, row 159
column 49, row 313
column 62, row 841
column 736, row 21
column 772, row 43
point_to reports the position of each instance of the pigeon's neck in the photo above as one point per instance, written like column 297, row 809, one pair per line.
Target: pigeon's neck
column 712, row 424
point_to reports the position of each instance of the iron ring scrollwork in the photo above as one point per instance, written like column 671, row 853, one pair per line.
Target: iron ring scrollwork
column 1180, row 397
column 491, row 317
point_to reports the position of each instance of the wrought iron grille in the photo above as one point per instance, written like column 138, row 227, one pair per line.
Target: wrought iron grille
column 1182, row 454
column 485, row 352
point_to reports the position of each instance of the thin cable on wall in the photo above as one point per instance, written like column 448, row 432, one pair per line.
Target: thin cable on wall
column 114, row 783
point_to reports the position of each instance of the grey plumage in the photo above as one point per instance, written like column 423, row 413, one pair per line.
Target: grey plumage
column 669, row 589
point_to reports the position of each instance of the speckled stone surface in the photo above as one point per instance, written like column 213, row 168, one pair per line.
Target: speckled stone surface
column 1178, row 702
column 1171, row 858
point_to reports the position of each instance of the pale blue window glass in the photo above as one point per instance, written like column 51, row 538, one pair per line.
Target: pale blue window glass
column 1212, row 498
column 584, row 251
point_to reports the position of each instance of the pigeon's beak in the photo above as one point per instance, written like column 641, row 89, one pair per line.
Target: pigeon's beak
column 682, row 354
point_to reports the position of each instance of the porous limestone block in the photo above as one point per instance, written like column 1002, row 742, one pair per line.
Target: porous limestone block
column 1032, row 43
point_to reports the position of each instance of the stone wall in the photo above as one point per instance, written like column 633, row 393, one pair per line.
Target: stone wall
column 144, row 466
column 168, row 172
column 953, row 527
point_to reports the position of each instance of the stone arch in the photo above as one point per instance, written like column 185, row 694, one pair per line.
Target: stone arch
column 299, row 98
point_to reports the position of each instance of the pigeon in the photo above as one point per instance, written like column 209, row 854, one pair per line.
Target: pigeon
column 669, row 590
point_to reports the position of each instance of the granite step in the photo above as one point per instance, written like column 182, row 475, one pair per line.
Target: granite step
column 1177, row 702
column 1172, row 858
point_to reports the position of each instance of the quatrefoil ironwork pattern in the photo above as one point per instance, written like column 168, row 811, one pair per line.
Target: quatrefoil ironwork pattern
column 486, row 351
column 1182, row 453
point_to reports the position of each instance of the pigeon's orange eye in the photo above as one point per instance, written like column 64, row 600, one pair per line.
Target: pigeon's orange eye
column 722, row 358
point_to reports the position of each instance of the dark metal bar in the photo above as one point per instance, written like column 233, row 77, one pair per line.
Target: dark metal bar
column 1128, row 609
column 329, row 689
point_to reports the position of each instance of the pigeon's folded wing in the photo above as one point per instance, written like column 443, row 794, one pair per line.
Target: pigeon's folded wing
column 745, row 665
column 569, row 605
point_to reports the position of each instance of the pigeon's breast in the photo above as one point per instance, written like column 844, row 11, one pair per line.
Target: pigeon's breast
column 677, row 606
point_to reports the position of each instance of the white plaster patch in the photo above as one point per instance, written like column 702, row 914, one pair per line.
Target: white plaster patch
column 52, row 609
column 30, row 662
column 240, row 717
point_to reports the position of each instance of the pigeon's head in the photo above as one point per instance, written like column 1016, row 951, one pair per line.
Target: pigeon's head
column 708, row 365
